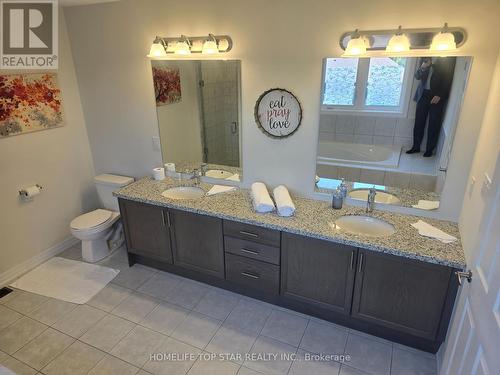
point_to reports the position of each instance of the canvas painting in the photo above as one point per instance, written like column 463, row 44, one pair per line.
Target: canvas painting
column 28, row 103
column 167, row 83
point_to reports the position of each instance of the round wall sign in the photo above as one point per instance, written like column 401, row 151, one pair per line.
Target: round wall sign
column 278, row 113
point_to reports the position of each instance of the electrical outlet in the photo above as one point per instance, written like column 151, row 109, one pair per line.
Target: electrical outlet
column 156, row 143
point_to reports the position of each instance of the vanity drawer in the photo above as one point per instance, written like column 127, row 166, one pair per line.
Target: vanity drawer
column 252, row 233
column 252, row 250
column 252, row 273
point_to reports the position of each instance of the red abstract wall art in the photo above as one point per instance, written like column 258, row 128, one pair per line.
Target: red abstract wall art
column 167, row 83
column 28, row 103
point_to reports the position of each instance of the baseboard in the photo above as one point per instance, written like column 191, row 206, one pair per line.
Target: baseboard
column 27, row 265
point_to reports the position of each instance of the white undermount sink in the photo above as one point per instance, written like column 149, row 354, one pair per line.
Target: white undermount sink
column 380, row 197
column 184, row 192
column 218, row 173
column 364, row 225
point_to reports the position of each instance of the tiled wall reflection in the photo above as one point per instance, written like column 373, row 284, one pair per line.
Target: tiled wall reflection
column 220, row 111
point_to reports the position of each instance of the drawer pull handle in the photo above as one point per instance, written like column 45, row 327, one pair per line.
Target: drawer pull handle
column 250, row 234
column 247, row 274
column 360, row 268
column 249, row 251
column 163, row 218
column 352, row 259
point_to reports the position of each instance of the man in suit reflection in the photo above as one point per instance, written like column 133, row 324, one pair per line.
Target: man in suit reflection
column 435, row 76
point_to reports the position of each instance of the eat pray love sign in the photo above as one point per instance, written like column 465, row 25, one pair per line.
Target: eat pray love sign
column 278, row 113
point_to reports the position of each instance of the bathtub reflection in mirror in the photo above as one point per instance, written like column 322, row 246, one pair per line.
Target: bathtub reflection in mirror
column 389, row 122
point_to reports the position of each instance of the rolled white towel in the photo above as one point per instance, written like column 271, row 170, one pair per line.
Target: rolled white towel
column 283, row 201
column 261, row 200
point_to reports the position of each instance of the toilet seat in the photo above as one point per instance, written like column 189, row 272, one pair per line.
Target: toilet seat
column 91, row 219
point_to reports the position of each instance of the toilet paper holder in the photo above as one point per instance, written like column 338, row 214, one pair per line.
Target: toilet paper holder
column 24, row 192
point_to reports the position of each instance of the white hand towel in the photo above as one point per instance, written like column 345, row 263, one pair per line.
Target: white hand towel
column 427, row 230
column 283, row 201
column 216, row 189
column 234, row 177
column 261, row 200
column 426, row 205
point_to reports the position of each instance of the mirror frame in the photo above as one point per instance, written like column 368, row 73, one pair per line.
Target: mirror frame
column 400, row 209
column 239, row 119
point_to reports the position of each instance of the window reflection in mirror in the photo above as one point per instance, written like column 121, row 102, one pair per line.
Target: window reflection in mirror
column 198, row 109
column 389, row 122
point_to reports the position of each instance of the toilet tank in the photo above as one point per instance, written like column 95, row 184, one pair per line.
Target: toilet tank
column 106, row 184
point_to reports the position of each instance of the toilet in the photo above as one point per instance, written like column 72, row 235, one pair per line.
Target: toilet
column 100, row 230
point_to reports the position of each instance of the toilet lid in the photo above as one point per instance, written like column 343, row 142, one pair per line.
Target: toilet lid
column 91, row 219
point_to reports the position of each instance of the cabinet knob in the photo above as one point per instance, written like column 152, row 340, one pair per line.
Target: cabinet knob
column 467, row 275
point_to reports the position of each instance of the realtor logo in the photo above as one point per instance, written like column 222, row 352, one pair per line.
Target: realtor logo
column 29, row 34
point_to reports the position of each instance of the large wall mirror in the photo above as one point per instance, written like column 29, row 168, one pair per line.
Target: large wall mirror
column 389, row 123
column 198, row 108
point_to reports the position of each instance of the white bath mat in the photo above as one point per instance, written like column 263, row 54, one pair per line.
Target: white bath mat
column 68, row 280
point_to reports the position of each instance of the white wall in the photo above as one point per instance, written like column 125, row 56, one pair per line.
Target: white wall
column 59, row 160
column 281, row 44
column 180, row 129
column 486, row 158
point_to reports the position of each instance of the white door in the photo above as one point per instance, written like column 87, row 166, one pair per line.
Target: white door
column 473, row 346
column 453, row 108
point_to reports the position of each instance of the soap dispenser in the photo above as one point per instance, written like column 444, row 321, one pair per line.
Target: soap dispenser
column 337, row 199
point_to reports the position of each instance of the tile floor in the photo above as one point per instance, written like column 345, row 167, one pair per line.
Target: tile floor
column 146, row 311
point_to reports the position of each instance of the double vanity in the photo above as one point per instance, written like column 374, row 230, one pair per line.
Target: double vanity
column 371, row 272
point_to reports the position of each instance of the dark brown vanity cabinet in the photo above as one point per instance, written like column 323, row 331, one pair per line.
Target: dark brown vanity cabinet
column 318, row 273
column 146, row 230
column 398, row 298
column 197, row 242
column 402, row 294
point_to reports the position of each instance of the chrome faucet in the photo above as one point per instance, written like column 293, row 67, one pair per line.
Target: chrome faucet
column 196, row 176
column 343, row 188
column 203, row 169
column 370, row 202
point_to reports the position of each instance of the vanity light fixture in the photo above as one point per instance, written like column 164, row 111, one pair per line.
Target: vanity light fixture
column 444, row 40
column 210, row 46
column 183, row 46
column 399, row 42
column 356, row 46
column 163, row 48
column 436, row 41
column 157, row 48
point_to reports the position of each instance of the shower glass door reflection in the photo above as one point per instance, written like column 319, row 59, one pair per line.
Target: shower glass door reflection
column 219, row 92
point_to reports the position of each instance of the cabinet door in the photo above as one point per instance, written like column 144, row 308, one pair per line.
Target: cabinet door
column 197, row 242
column 317, row 273
column 400, row 293
column 146, row 230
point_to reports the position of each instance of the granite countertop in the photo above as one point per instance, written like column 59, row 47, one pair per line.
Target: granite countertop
column 312, row 218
